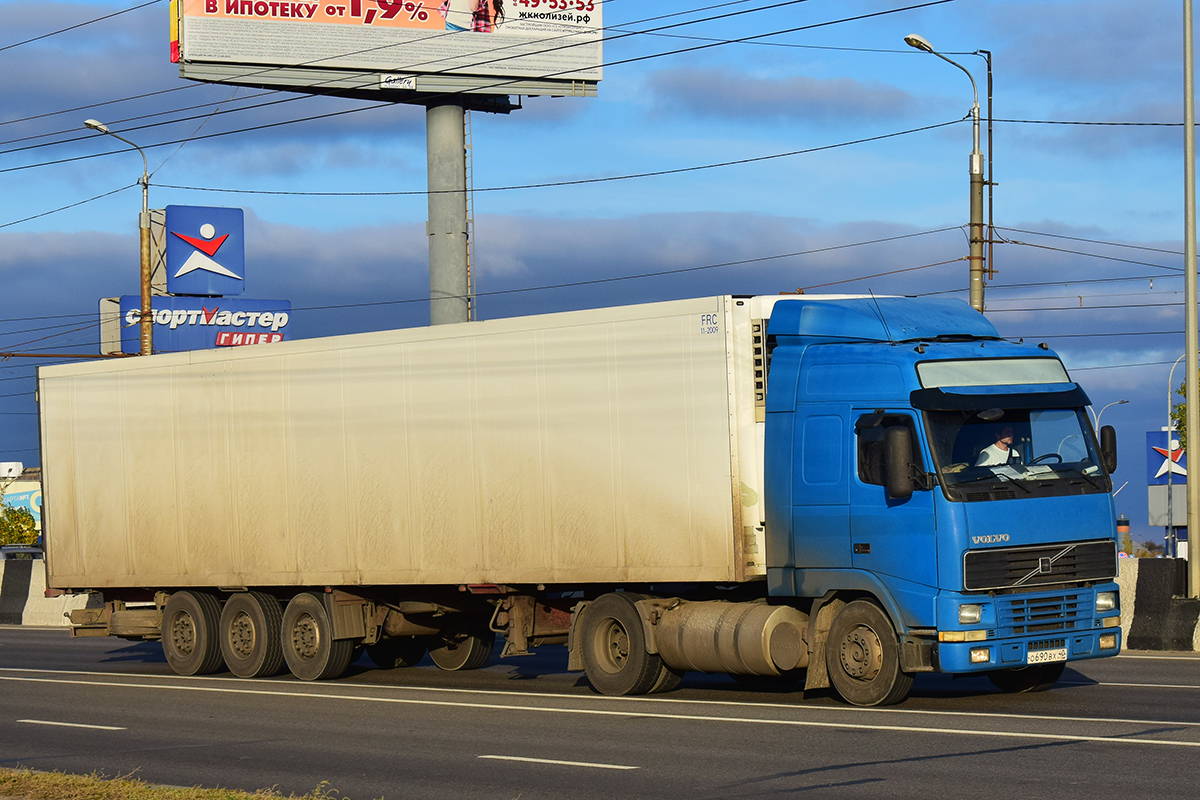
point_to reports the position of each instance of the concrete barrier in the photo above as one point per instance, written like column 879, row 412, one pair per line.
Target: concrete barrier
column 23, row 598
column 1154, row 614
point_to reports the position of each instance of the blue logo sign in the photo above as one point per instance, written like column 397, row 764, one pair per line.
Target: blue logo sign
column 1164, row 458
column 206, row 251
column 199, row 323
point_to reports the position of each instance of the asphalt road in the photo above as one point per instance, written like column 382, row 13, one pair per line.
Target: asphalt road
column 525, row 728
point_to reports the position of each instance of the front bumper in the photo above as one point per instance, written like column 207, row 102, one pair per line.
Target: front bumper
column 1029, row 628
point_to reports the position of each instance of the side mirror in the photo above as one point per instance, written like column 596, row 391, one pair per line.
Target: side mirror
column 1108, row 448
column 898, row 464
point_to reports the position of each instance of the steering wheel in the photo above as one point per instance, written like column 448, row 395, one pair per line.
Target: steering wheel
column 1047, row 457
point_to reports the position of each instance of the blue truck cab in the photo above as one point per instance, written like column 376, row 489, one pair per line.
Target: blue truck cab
column 937, row 494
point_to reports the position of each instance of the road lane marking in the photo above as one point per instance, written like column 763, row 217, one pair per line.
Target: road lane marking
column 631, row 713
column 71, row 725
column 556, row 762
column 658, row 699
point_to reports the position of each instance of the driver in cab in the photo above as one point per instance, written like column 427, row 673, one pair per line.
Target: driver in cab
column 1001, row 452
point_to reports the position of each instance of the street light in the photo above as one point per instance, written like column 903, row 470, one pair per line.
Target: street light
column 147, row 313
column 1170, row 460
column 1096, row 415
column 976, row 226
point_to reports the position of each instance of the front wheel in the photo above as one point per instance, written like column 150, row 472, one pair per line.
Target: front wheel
column 1035, row 678
column 863, row 657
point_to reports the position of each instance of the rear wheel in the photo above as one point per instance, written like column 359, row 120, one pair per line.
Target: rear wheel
column 311, row 652
column 190, row 633
column 615, row 657
column 1036, row 678
column 400, row 651
column 464, row 646
column 863, row 657
column 251, row 642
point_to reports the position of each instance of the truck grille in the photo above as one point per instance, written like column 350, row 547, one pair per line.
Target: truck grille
column 1043, row 614
column 1041, row 565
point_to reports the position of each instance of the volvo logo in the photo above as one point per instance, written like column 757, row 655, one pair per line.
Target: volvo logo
column 995, row 538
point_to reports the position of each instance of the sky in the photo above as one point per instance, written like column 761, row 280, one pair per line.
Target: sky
column 820, row 153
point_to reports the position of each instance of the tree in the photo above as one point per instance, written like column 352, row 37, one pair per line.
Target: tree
column 1152, row 548
column 1179, row 416
column 1126, row 543
column 17, row 526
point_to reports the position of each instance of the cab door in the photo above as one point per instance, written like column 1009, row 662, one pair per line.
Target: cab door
column 891, row 537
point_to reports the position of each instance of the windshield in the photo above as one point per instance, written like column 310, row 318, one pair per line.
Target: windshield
column 1004, row 454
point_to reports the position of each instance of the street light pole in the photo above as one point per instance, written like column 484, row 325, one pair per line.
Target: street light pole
column 976, row 168
column 1171, row 461
column 147, row 313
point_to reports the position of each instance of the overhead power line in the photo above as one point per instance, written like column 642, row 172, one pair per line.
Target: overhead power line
column 79, row 25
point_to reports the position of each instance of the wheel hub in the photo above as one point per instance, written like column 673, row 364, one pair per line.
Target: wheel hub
column 183, row 634
column 306, row 637
column 615, row 646
column 862, row 654
column 242, row 635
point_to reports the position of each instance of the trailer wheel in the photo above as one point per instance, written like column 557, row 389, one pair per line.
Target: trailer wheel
column 251, row 641
column 400, row 651
column 463, row 646
column 311, row 652
column 190, row 633
column 863, row 657
column 615, row 658
column 1036, row 678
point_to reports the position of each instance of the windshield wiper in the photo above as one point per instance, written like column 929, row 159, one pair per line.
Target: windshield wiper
column 993, row 476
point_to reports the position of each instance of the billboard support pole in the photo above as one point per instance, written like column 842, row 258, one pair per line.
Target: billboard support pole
column 447, row 224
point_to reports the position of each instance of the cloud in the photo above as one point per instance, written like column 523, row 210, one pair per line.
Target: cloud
column 733, row 94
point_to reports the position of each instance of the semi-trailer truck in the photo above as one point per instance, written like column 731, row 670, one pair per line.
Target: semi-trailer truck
column 838, row 491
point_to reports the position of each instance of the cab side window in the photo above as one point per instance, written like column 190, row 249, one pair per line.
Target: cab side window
column 870, row 430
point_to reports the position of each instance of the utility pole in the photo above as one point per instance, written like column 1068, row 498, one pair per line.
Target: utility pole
column 1191, row 328
column 975, row 228
column 447, row 225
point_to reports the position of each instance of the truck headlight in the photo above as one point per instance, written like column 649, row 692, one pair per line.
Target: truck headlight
column 972, row 613
column 981, row 655
column 1108, row 641
column 1105, row 601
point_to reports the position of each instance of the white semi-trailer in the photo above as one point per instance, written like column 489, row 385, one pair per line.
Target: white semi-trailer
column 616, row 479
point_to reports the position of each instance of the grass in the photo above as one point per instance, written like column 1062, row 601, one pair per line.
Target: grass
column 30, row 785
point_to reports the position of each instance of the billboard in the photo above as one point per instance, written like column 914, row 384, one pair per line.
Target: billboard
column 478, row 46
column 205, row 250
column 197, row 323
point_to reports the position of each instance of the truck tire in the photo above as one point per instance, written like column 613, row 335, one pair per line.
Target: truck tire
column 251, row 638
column 615, row 658
column 190, row 633
column 1036, row 678
column 462, row 647
column 311, row 652
column 863, row 657
column 399, row 651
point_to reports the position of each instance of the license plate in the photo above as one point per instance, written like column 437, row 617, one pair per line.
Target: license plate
column 1047, row 656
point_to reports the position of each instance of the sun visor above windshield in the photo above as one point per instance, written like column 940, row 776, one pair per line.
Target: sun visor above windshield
column 882, row 319
column 1056, row 397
